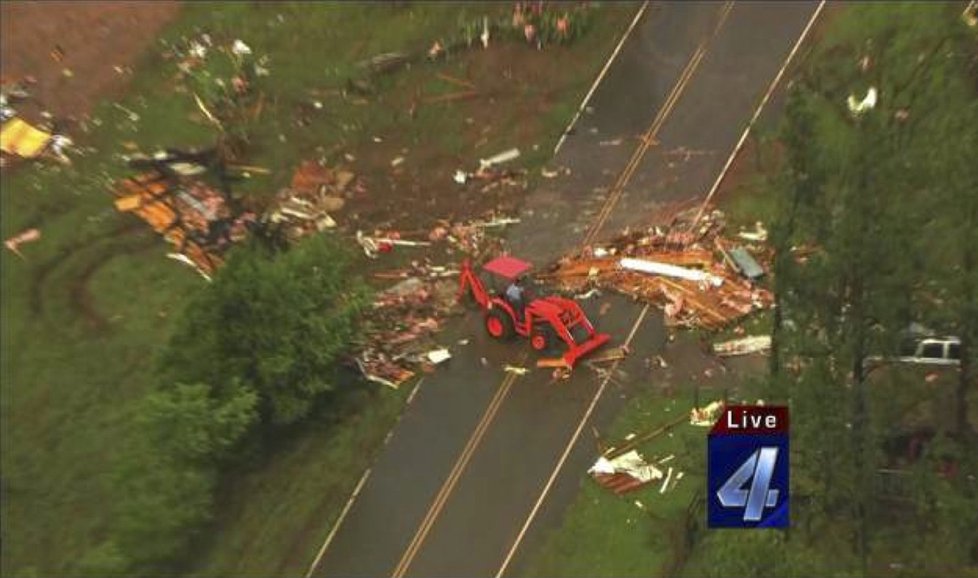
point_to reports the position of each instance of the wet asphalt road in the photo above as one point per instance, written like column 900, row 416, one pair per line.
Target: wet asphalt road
column 493, row 495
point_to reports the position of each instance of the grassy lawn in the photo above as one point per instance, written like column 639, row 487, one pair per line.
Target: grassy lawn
column 86, row 311
column 276, row 514
column 621, row 537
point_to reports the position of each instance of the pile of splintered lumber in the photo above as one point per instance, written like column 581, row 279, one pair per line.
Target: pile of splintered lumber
column 682, row 267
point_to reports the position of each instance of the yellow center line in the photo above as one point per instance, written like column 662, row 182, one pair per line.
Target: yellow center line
column 446, row 489
column 475, row 439
column 648, row 138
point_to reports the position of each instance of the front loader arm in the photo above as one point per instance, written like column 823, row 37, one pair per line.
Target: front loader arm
column 470, row 283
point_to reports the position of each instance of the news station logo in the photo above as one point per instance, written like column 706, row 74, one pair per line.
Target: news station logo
column 747, row 468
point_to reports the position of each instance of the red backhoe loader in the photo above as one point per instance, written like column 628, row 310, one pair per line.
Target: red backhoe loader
column 547, row 321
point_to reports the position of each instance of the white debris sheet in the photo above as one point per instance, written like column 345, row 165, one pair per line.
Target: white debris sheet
column 624, row 473
column 706, row 416
column 669, row 270
column 743, row 346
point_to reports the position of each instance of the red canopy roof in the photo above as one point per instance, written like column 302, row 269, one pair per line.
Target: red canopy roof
column 506, row 266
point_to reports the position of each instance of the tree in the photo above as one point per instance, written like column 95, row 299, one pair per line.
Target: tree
column 855, row 184
column 272, row 322
column 187, row 424
column 104, row 561
column 166, row 479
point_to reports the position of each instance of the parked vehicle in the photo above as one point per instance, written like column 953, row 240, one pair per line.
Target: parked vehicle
column 931, row 350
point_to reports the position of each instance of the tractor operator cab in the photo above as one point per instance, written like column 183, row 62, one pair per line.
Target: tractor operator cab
column 506, row 277
column 516, row 294
column 502, row 291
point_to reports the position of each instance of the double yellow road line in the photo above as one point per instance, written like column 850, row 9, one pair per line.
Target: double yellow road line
column 446, row 489
column 647, row 140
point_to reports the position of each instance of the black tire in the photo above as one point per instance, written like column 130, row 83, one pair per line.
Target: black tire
column 548, row 335
column 507, row 330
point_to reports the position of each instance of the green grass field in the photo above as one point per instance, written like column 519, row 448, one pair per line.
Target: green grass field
column 622, row 537
column 87, row 310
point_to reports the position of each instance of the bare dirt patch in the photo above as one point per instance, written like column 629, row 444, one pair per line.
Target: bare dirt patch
column 514, row 96
column 87, row 39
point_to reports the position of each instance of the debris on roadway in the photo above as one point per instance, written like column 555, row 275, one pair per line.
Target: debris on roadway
column 400, row 330
column 682, row 268
column 405, row 317
column 515, row 370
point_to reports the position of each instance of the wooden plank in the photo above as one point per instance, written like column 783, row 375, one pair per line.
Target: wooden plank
column 633, row 443
column 553, row 362
column 128, row 203
column 453, row 80
column 452, row 96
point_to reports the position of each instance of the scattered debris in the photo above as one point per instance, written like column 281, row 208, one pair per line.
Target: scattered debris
column 745, row 264
column 636, row 440
column 452, row 96
column 59, row 143
column 706, row 416
column 503, row 157
column 190, row 263
column 624, row 473
column 17, row 137
column 188, row 214
column 386, row 62
column 743, row 346
column 592, row 292
column 665, row 269
column 132, row 115
column 400, row 327
column 868, row 102
column 759, row 234
column 665, row 482
column 28, row 236
column 560, row 374
column 315, row 191
column 437, row 356
column 239, row 48
column 436, row 50
column 455, row 80
column 552, row 362
column 515, row 370
column 970, row 14
column 680, row 267
column 675, row 481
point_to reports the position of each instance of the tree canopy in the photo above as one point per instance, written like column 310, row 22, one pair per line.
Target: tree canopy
column 273, row 323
